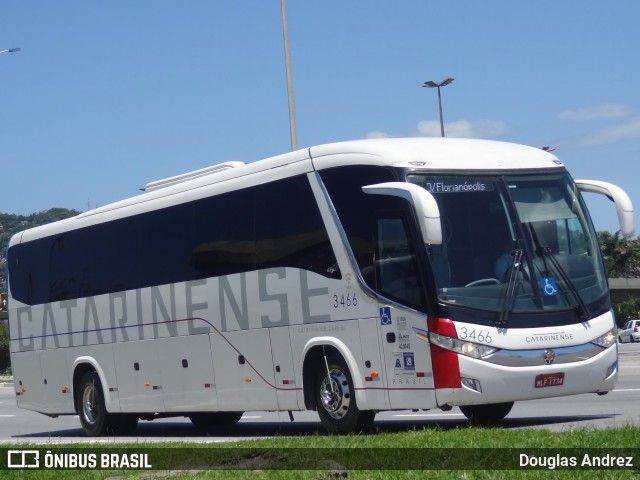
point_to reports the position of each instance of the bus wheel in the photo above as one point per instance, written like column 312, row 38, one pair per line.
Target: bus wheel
column 123, row 423
column 336, row 400
column 91, row 407
column 209, row 420
column 483, row 415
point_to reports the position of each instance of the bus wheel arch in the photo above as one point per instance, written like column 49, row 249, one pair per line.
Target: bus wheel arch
column 329, row 389
column 90, row 404
column 80, row 370
column 313, row 360
column 313, row 355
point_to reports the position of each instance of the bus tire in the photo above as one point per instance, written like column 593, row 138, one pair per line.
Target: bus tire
column 489, row 414
column 336, row 400
column 91, row 405
column 211, row 420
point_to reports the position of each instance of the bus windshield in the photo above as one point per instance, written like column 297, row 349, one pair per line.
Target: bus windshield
column 514, row 243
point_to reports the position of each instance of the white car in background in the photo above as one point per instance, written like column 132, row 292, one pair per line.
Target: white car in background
column 630, row 332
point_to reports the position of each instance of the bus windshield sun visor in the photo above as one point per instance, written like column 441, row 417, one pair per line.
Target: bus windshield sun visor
column 424, row 203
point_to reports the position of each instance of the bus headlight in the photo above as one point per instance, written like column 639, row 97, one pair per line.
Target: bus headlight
column 606, row 340
column 471, row 349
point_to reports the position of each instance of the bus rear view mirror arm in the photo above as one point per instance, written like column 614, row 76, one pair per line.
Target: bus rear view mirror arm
column 624, row 207
column 425, row 205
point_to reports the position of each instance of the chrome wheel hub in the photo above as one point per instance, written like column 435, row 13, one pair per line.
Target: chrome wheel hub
column 335, row 394
column 89, row 410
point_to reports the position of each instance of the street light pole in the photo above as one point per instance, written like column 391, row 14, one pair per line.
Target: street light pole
column 287, row 61
column 432, row 84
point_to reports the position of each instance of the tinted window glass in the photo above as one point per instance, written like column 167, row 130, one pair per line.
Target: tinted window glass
column 209, row 237
column 378, row 232
column 224, row 228
column 396, row 262
column 358, row 211
column 290, row 231
column 116, row 253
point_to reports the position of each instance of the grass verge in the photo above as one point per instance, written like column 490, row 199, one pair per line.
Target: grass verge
column 470, row 453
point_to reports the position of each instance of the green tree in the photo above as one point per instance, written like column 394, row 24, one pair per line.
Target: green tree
column 627, row 310
column 4, row 346
column 621, row 255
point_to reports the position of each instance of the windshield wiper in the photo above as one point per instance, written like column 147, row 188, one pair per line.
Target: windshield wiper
column 545, row 252
column 510, row 295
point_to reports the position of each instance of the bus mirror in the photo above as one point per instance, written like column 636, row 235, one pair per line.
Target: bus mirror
column 624, row 207
column 423, row 202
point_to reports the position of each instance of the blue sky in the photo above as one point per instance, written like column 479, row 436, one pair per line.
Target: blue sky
column 107, row 96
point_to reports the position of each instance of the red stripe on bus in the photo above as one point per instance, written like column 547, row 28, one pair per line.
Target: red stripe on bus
column 445, row 365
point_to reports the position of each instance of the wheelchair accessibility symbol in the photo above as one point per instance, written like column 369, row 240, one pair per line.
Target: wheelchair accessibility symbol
column 385, row 316
column 549, row 287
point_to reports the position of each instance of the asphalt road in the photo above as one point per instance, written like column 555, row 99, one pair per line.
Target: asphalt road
column 618, row 408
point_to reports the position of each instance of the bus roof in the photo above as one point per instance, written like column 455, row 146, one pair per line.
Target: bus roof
column 434, row 153
column 447, row 154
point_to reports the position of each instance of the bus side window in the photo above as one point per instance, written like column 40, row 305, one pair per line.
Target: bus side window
column 396, row 267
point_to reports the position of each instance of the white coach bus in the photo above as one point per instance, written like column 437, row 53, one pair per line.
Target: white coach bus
column 348, row 278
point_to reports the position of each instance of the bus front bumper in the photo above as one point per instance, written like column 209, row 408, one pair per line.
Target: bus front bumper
column 483, row 382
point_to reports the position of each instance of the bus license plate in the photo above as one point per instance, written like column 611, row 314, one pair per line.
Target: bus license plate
column 549, row 380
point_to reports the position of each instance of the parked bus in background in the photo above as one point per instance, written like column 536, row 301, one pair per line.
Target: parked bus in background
column 348, row 278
